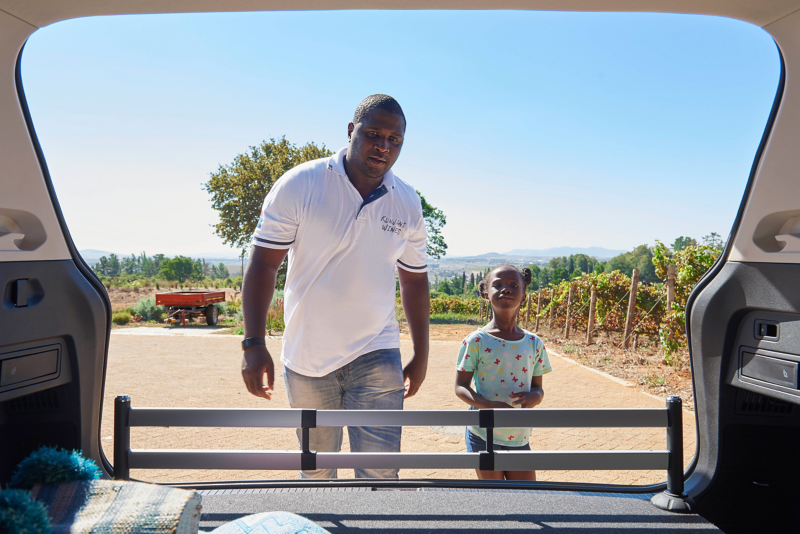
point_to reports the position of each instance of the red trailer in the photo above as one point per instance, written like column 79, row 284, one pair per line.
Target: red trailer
column 182, row 304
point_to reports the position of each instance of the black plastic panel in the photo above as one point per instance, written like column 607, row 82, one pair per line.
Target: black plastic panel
column 771, row 367
column 766, row 355
column 37, row 365
column 65, row 310
column 42, row 366
column 722, row 324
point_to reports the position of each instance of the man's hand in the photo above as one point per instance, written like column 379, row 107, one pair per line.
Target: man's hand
column 414, row 374
column 257, row 290
column 528, row 399
column 416, row 298
column 256, row 363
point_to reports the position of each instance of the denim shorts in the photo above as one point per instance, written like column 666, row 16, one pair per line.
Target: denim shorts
column 476, row 444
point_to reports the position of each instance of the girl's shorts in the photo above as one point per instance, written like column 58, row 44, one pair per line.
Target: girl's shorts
column 476, row 444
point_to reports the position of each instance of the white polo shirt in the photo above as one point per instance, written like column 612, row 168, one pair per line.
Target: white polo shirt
column 340, row 285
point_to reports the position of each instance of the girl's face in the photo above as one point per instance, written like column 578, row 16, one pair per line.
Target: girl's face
column 505, row 288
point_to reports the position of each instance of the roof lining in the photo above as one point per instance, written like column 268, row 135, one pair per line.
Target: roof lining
column 44, row 12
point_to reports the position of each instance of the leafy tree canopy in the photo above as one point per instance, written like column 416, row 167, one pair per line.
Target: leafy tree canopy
column 435, row 220
column 714, row 240
column 179, row 268
column 639, row 258
column 682, row 242
column 238, row 190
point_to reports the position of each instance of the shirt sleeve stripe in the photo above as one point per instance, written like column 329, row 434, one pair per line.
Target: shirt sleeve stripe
column 407, row 266
column 273, row 242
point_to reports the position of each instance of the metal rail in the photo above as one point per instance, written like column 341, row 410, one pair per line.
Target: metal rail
column 670, row 460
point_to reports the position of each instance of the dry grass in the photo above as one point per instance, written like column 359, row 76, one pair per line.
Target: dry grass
column 645, row 366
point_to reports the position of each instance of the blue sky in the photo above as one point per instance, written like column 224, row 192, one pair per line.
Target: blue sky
column 529, row 130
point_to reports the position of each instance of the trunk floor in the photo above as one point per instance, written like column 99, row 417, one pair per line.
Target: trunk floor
column 449, row 511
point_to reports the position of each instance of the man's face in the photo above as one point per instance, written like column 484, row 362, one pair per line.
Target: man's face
column 375, row 142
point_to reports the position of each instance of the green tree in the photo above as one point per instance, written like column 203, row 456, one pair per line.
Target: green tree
column 457, row 284
column 640, row 258
column 102, row 266
column 238, row 190
column 445, row 288
column 559, row 274
column 559, row 263
column 714, row 240
column 536, row 273
column 179, row 268
column 435, row 220
column 114, row 266
column 682, row 242
column 583, row 263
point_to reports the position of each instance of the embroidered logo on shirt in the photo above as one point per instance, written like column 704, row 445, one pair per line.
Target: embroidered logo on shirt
column 392, row 225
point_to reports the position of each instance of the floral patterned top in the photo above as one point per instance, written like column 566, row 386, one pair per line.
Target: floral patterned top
column 501, row 367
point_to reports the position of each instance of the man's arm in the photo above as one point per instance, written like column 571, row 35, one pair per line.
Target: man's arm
column 258, row 286
column 416, row 298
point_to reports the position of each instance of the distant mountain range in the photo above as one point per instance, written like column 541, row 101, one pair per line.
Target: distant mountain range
column 93, row 255
column 597, row 252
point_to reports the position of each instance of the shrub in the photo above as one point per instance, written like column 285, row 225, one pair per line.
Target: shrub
column 120, row 317
column 275, row 321
column 146, row 309
column 457, row 305
column 454, row 318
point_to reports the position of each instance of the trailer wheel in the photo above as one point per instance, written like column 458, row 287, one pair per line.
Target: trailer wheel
column 212, row 314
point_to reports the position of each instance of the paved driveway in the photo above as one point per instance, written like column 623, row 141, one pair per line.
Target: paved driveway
column 162, row 370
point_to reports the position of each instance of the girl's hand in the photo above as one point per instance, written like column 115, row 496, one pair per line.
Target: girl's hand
column 528, row 399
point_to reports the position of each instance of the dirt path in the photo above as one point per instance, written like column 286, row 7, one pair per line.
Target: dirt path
column 159, row 370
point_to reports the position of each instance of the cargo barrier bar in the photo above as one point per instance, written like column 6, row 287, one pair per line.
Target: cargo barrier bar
column 671, row 460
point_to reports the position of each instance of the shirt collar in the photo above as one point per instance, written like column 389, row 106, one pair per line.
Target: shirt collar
column 336, row 164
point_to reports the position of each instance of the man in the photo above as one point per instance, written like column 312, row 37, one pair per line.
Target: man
column 346, row 222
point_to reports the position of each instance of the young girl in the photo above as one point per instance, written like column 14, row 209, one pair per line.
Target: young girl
column 501, row 366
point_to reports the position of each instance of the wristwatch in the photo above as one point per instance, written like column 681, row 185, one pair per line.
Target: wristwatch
column 250, row 341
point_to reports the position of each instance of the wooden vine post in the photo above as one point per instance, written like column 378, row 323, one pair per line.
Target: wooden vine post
column 480, row 310
column 552, row 318
column 538, row 309
column 569, row 301
column 631, row 308
column 590, row 324
column 528, row 312
column 670, row 286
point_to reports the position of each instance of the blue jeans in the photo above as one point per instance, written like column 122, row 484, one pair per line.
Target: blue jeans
column 373, row 381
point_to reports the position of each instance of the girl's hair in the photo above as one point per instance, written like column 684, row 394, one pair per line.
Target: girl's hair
column 524, row 274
